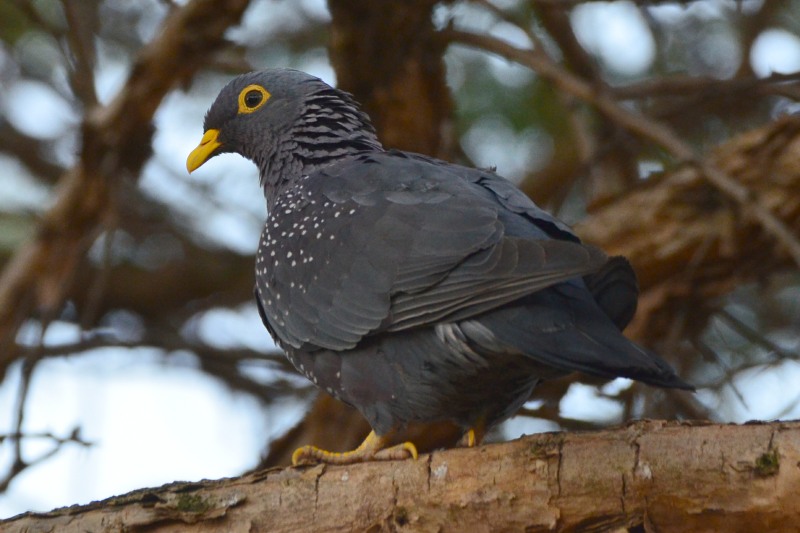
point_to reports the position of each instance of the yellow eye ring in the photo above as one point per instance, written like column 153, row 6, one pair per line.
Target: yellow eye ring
column 252, row 98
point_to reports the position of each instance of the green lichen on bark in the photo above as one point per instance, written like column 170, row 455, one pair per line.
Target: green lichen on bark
column 768, row 464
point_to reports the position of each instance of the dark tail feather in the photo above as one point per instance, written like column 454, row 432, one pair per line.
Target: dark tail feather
column 564, row 328
column 615, row 289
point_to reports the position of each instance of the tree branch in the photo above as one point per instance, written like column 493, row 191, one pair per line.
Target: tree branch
column 115, row 142
column 657, row 475
column 695, row 248
column 658, row 133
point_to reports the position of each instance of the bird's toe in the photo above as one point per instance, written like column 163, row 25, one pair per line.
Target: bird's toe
column 374, row 448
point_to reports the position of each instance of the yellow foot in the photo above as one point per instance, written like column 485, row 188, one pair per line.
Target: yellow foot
column 372, row 449
column 473, row 437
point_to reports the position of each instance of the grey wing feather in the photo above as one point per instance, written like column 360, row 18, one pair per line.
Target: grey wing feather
column 399, row 244
column 508, row 271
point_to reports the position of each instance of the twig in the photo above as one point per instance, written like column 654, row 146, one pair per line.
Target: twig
column 19, row 464
column 73, row 437
column 169, row 343
column 755, row 337
column 682, row 84
column 657, row 133
column 80, row 38
column 115, row 143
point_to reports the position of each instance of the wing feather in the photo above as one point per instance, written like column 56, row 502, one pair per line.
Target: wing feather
column 387, row 242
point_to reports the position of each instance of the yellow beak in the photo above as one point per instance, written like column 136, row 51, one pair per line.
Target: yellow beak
column 200, row 155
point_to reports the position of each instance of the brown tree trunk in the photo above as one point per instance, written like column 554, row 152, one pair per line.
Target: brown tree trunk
column 390, row 57
column 654, row 475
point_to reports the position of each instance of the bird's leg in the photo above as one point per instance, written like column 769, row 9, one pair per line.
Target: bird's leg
column 474, row 435
column 372, row 449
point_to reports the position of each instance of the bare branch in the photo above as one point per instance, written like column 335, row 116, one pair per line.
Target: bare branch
column 648, row 475
column 116, row 142
column 657, row 133
column 83, row 20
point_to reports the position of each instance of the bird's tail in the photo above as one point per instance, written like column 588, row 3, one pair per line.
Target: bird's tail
column 564, row 328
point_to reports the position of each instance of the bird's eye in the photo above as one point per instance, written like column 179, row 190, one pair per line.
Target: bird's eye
column 251, row 98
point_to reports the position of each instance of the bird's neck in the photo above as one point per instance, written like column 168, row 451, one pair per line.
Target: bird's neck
column 284, row 170
column 330, row 129
column 287, row 167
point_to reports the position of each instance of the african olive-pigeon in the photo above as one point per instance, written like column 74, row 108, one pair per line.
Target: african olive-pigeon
column 418, row 291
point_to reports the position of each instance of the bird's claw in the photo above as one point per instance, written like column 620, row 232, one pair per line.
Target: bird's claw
column 372, row 449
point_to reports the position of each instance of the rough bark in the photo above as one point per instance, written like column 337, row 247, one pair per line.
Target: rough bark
column 659, row 476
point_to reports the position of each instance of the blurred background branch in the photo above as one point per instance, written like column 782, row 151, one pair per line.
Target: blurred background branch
column 665, row 131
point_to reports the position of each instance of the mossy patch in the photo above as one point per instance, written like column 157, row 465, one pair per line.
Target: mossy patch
column 192, row 503
column 768, row 464
column 544, row 447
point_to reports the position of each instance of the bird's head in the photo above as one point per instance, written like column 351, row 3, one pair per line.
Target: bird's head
column 286, row 121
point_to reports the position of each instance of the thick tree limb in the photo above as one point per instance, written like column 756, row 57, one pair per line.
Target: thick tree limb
column 687, row 244
column 657, row 475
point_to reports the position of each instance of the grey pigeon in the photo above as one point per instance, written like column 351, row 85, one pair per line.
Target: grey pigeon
column 423, row 293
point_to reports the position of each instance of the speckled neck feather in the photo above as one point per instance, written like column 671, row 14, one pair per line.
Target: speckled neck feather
column 330, row 128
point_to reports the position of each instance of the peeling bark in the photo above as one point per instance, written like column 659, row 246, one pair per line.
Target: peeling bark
column 663, row 476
